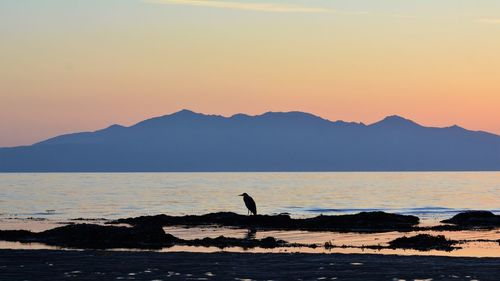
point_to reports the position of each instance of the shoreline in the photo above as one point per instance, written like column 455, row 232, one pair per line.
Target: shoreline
column 116, row 265
column 473, row 234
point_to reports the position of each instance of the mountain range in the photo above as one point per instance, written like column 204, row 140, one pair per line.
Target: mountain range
column 273, row 141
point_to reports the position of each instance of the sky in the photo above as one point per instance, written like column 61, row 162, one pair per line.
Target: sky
column 82, row 65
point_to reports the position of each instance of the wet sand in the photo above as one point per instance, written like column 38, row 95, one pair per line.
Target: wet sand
column 113, row 265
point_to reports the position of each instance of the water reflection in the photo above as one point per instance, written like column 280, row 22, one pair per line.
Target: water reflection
column 251, row 233
column 477, row 249
column 340, row 242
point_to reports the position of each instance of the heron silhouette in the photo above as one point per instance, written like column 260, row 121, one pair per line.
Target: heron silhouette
column 250, row 203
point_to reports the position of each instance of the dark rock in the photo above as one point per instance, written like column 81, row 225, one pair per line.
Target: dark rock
column 143, row 236
column 362, row 222
column 98, row 236
column 423, row 242
column 224, row 242
column 91, row 236
column 475, row 218
column 16, row 235
column 443, row 227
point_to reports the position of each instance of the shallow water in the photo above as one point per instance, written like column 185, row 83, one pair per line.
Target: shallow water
column 429, row 195
column 346, row 243
column 39, row 202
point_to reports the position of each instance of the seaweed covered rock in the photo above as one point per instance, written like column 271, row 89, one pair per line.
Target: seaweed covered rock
column 145, row 236
column 423, row 242
column 362, row 222
column 94, row 236
column 223, row 242
column 219, row 218
column 17, row 235
column 475, row 218
column 98, row 236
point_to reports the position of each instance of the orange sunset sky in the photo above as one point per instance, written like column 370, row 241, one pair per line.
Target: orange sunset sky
column 69, row 65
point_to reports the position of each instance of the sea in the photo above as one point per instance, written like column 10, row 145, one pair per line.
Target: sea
column 63, row 196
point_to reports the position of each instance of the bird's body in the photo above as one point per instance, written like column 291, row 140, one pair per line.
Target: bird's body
column 249, row 203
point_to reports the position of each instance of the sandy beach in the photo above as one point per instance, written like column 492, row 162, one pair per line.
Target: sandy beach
column 106, row 265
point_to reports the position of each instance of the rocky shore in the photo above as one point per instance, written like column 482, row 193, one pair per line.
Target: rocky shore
column 148, row 233
column 361, row 222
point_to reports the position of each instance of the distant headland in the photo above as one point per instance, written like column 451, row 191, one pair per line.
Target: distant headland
column 274, row 141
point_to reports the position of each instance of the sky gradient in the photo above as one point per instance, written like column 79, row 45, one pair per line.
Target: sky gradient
column 72, row 65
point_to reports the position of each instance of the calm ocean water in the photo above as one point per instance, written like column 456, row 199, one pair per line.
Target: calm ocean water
column 432, row 195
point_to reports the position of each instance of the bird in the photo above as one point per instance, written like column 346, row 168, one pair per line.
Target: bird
column 250, row 203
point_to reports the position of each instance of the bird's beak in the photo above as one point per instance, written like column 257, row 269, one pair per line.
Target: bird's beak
column 241, row 194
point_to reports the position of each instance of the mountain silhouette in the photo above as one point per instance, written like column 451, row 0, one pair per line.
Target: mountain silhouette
column 273, row 141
